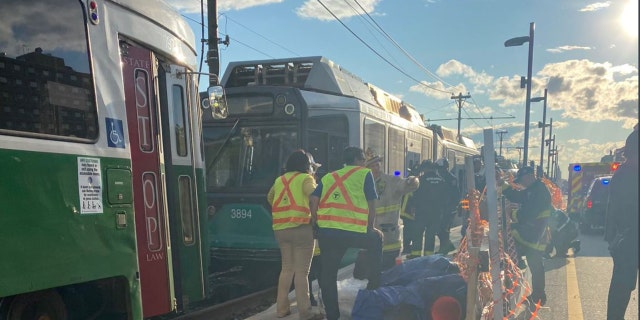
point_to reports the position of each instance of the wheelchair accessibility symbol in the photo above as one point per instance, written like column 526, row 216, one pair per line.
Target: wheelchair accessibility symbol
column 115, row 133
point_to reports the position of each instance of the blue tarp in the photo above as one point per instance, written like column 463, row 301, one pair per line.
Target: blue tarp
column 411, row 287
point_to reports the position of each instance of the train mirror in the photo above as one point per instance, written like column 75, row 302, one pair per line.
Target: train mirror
column 217, row 102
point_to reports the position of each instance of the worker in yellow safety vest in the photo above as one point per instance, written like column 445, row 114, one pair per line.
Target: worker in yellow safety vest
column 289, row 199
column 390, row 189
column 343, row 207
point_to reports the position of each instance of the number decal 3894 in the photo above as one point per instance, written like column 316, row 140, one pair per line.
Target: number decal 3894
column 240, row 213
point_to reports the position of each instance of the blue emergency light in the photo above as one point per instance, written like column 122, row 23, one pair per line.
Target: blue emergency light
column 605, row 181
column 577, row 167
column 396, row 173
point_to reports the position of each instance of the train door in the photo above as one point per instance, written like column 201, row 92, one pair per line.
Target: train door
column 154, row 259
column 178, row 104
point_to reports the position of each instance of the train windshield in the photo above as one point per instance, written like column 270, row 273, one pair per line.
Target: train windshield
column 247, row 157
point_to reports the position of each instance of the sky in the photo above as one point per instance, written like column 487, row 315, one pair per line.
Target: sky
column 585, row 53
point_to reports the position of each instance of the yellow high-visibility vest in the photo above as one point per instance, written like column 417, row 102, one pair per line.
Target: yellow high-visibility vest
column 343, row 204
column 291, row 206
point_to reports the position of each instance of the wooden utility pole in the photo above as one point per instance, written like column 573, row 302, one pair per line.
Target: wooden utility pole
column 501, row 133
column 213, row 57
column 459, row 97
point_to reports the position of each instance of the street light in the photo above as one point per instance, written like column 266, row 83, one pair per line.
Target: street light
column 542, row 125
column 518, row 42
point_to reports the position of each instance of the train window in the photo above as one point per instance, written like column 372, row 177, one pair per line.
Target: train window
column 56, row 61
column 186, row 209
column 179, row 120
column 374, row 137
column 250, row 104
column 247, row 156
column 451, row 157
column 328, row 136
column 427, row 148
column 396, row 151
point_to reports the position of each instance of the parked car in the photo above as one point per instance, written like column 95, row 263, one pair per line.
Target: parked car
column 594, row 208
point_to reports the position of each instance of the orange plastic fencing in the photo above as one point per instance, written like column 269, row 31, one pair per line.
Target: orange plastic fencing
column 512, row 277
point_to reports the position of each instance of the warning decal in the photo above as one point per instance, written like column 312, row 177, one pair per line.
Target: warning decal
column 90, row 185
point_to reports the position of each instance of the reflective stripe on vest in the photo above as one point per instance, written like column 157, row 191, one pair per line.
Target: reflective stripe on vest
column 403, row 206
column 389, row 208
column 537, row 244
column 343, row 204
column 290, row 209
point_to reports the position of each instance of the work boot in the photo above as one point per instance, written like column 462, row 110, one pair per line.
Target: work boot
column 313, row 301
column 575, row 244
column 535, row 298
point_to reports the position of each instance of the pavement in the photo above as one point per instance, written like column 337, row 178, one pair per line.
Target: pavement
column 348, row 288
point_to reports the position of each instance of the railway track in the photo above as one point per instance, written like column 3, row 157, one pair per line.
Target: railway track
column 236, row 309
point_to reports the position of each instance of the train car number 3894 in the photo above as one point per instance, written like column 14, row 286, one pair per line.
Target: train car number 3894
column 240, row 213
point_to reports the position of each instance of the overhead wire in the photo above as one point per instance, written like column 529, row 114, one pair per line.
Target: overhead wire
column 480, row 112
column 369, row 29
column 407, row 54
column 261, row 36
column 232, row 38
column 377, row 53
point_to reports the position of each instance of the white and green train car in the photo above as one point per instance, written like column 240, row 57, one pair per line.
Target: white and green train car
column 101, row 169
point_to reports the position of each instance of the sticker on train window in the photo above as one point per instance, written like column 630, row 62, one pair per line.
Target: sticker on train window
column 115, row 133
column 240, row 213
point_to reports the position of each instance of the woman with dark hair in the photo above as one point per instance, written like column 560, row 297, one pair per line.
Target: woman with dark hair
column 292, row 226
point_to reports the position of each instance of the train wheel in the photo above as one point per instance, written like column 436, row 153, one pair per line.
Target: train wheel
column 41, row 305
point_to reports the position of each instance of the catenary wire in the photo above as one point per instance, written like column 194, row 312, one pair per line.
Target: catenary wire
column 407, row 54
column 378, row 54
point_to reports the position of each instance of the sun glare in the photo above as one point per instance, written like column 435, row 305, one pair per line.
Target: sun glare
column 629, row 18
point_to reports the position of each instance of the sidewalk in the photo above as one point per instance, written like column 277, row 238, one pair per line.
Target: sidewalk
column 347, row 287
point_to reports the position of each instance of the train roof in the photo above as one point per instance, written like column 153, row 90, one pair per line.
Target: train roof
column 162, row 13
column 311, row 73
column 315, row 73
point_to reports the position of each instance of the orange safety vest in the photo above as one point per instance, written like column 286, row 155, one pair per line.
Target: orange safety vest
column 290, row 209
column 343, row 204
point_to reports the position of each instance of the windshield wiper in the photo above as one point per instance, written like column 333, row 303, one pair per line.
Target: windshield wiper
column 226, row 140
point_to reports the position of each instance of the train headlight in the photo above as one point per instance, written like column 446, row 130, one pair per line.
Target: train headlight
column 281, row 99
column 211, row 211
column 289, row 108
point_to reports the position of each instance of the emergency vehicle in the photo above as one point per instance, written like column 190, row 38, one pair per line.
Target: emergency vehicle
column 580, row 177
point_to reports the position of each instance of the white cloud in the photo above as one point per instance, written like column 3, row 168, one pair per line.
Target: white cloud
column 595, row 6
column 312, row 9
column 454, row 67
column 581, row 89
column 567, row 48
column 590, row 92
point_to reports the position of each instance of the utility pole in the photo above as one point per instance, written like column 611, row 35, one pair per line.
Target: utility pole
column 548, row 143
column 501, row 133
column 520, row 155
column 459, row 97
column 213, row 57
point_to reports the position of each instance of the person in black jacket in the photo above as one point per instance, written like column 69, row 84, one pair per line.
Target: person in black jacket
column 453, row 198
column 529, row 226
column 429, row 202
column 622, row 230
